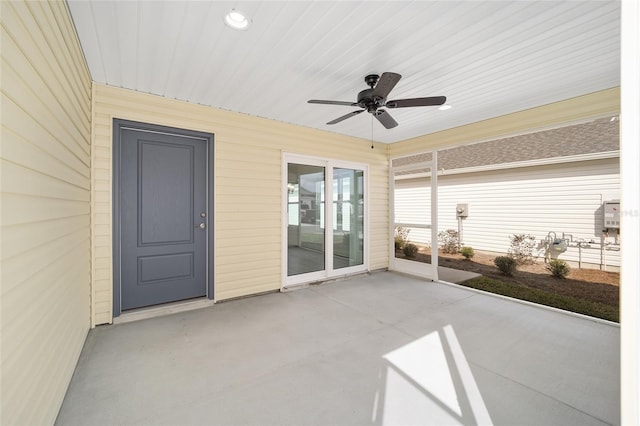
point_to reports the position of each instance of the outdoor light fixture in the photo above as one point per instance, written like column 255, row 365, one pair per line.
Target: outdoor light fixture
column 236, row 20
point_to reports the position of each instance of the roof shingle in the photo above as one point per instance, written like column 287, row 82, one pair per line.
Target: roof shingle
column 600, row 135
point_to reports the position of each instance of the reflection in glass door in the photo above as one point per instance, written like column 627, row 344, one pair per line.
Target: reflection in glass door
column 305, row 230
column 325, row 223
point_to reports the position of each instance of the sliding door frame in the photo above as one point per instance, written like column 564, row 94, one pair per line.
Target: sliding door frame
column 329, row 272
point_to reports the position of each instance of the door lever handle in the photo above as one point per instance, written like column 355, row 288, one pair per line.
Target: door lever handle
column 201, row 226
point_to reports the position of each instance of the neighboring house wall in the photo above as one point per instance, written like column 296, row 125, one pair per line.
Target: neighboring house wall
column 248, row 188
column 581, row 109
column 565, row 197
column 45, row 190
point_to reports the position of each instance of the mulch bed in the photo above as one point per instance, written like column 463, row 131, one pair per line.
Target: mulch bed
column 588, row 284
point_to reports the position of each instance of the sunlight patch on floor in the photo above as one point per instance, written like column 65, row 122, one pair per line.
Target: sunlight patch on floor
column 429, row 381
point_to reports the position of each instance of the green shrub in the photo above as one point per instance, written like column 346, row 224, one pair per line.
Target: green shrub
column 558, row 268
column 507, row 265
column 467, row 252
column 400, row 237
column 521, row 248
column 410, row 250
column 449, row 241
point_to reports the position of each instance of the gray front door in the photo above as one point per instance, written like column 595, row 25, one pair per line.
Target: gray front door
column 163, row 217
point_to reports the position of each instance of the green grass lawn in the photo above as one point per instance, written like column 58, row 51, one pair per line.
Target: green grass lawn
column 568, row 303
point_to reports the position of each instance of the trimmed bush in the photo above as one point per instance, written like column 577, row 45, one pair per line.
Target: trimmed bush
column 558, row 268
column 507, row 265
column 521, row 248
column 410, row 250
column 400, row 237
column 449, row 241
column 467, row 252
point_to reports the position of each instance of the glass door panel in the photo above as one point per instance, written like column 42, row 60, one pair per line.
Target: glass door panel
column 348, row 217
column 305, row 211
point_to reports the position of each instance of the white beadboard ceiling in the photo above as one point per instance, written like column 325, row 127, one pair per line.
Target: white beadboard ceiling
column 489, row 58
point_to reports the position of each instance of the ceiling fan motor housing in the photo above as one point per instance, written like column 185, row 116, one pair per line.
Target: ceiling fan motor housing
column 367, row 101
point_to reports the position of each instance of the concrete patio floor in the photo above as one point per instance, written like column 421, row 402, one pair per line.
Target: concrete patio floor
column 383, row 349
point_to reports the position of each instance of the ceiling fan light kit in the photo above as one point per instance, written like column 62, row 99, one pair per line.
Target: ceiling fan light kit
column 375, row 97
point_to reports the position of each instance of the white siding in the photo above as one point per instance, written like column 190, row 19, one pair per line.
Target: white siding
column 248, row 188
column 531, row 200
column 412, row 204
column 45, row 193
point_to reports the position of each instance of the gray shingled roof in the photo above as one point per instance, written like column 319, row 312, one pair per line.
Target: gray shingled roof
column 600, row 135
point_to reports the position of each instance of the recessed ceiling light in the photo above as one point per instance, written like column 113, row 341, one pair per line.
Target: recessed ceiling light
column 236, row 20
column 444, row 107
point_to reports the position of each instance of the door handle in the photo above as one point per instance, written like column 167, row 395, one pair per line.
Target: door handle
column 201, row 226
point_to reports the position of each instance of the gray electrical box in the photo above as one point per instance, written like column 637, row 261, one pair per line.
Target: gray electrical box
column 462, row 210
column 612, row 214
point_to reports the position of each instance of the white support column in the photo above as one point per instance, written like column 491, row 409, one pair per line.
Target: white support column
column 392, row 217
column 630, row 209
column 434, row 215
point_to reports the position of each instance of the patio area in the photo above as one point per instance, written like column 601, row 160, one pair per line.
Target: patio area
column 380, row 349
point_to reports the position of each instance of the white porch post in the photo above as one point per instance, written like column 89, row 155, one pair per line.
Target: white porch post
column 434, row 216
column 630, row 206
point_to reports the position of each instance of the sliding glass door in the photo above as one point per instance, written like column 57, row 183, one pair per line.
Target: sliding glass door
column 305, row 219
column 348, row 218
column 324, row 239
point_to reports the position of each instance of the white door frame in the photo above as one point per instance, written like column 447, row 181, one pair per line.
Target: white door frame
column 328, row 272
column 425, row 270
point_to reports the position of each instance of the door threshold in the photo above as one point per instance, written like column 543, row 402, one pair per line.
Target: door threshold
column 321, row 281
column 162, row 310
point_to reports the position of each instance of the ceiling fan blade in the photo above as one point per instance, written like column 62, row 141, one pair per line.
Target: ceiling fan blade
column 344, row 117
column 386, row 83
column 416, row 102
column 385, row 118
column 319, row 101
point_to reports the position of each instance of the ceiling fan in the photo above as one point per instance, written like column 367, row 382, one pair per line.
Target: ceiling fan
column 374, row 98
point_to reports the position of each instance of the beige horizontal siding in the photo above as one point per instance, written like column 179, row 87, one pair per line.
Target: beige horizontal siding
column 248, row 188
column 585, row 107
column 379, row 213
column 45, row 190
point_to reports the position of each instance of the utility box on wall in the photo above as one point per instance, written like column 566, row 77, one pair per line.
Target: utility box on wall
column 612, row 214
column 462, row 210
